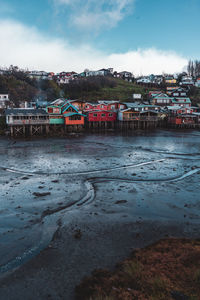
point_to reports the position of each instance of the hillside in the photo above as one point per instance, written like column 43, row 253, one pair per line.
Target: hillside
column 21, row 88
column 114, row 89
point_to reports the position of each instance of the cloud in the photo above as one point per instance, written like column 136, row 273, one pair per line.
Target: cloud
column 28, row 48
column 95, row 15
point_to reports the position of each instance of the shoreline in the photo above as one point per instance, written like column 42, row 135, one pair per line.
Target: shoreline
column 99, row 132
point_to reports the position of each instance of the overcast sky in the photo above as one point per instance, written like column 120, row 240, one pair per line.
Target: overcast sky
column 141, row 36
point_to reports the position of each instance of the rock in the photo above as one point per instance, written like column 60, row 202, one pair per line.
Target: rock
column 41, row 194
column 121, row 201
column 193, row 168
column 55, row 181
column 25, row 178
column 179, row 296
column 78, row 234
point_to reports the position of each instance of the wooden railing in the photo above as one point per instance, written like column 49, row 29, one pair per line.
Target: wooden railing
column 141, row 118
column 28, row 122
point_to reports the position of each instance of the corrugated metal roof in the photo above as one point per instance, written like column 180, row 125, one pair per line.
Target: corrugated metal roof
column 23, row 111
column 147, row 111
column 181, row 100
column 99, row 110
column 72, row 114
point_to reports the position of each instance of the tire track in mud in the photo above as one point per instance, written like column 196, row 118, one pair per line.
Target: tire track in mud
column 172, row 179
column 80, row 172
column 159, row 151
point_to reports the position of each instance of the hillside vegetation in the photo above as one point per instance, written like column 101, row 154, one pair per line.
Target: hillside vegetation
column 21, row 88
column 103, row 89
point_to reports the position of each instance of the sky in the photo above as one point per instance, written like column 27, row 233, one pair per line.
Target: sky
column 140, row 36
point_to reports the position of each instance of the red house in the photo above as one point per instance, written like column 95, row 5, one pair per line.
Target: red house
column 110, row 105
column 183, row 119
column 105, row 105
column 101, row 118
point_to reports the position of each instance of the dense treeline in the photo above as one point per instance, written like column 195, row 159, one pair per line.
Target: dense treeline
column 20, row 87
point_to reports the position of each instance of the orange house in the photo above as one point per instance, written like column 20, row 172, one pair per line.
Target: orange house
column 74, row 119
column 72, row 115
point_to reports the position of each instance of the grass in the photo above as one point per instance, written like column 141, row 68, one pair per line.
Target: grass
column 133, row 270
column 102, row 298
column 197, row 276
column 159, row 288
column 155, row 272
column 123, row 91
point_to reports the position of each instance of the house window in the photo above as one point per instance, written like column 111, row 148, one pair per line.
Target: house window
column 94, row 115
column 102, row 106
column 103, row 115
column 110, row 115
column 75, row 117
column 50, row 110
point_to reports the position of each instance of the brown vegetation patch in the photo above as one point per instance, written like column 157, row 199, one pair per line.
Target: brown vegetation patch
column 169, row 269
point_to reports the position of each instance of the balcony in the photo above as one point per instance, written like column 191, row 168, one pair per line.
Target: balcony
column 28, row 122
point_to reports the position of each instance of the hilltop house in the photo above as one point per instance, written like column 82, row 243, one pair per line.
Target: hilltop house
column 170, row 80
column 187, row 81
column 177, row 92
column 161, row 99
column 182, row 102
column 4, row 101
column 197, row 83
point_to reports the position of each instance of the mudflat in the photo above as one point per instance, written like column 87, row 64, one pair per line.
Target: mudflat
column 69, row 206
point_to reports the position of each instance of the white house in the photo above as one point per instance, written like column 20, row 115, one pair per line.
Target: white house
column 197, row 83
column 4, row 101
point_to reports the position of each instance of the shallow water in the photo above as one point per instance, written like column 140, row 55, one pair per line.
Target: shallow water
column 145, row 176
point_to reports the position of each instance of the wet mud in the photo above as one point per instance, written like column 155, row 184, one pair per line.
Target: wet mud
column 137, row 178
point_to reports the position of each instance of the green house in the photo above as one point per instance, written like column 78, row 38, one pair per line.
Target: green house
column 55, row 114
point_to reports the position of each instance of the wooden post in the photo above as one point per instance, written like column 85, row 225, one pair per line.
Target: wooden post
column 24, row 130
column 11, row 130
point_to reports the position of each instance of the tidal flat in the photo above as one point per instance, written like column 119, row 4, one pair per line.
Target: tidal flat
column 71, row 205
